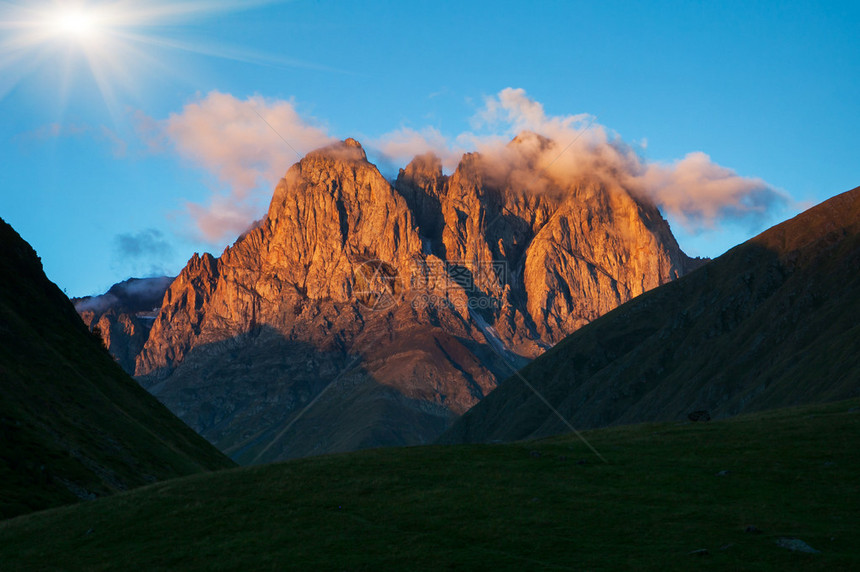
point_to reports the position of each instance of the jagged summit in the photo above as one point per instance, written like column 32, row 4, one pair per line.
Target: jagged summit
column 422, row 184
column 348, row 150
column 123, row 315
column 531, row 138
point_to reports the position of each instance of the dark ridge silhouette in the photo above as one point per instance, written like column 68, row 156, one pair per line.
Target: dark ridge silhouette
column 73, row 424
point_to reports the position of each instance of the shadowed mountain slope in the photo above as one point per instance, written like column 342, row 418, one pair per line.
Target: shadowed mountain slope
column 771, row 323
column 73, row 424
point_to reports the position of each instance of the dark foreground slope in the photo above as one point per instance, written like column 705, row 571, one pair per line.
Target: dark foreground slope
column 774, row 322
column 542, row 505
column 73, row 425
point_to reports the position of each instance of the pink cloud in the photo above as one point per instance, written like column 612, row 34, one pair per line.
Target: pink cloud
column 222, row 218
column 700, row 192
column 246, row 145
column 243, row 142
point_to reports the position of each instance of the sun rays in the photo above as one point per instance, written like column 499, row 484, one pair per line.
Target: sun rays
column 119, row 46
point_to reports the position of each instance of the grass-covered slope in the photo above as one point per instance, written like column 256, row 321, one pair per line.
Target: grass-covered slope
column 72, row 424
column 772, row 323
column 668, row 490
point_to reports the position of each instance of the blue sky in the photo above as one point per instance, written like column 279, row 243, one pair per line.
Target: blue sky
column 103, row 183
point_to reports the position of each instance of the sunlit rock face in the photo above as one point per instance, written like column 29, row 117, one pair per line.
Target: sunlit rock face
column 570, row 252
column 362, row 313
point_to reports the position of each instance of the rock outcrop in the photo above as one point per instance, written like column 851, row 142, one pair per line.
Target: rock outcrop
column 360, row 313
column 123, row 316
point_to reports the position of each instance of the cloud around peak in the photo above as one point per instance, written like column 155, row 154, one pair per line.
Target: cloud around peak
column 701, row 193
column 697, row 192
column 246, row 145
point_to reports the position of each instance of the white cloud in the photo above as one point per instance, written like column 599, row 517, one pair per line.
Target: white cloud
column 400, row 146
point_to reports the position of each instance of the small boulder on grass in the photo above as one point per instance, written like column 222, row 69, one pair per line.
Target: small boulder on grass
column 796, row 545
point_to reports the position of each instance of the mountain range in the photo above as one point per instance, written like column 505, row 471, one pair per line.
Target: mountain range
column 364, row 312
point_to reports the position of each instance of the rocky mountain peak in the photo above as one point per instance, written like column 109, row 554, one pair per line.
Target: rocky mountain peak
column 332, row 209
column 531, row 139
column 348, row 150
column 123, row 315
column 423, row 184
column 427, row 166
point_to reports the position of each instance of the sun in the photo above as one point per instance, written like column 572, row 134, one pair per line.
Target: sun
column 96, row 42
column 77, row 23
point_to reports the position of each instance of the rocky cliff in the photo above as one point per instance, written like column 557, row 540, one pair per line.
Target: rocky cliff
column 362, row 313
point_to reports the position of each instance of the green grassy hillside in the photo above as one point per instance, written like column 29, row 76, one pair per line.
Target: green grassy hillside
column 73, row 425
column 667, row 491
column 774, row 322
